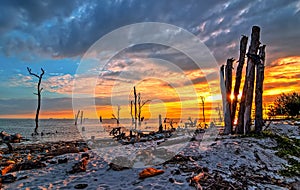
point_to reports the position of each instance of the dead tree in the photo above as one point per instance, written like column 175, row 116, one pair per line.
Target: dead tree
column 223, row 88
column 135, row 107
column 118, row 116
column 250, row 77
column 81, row 117
column 218, row 109
column 138, row 104
column 260, row 67
column 202, row 102
column 244, row 116
column 238, row 78
column 131, row 112
column 141, row 105
column 76, row 117
column 228, row 86
column 39, row 90
column 160, row 127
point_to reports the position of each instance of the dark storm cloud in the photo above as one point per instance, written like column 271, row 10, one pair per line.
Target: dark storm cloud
column 68, row 28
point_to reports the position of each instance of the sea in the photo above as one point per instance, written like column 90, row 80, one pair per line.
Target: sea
column 65, row 129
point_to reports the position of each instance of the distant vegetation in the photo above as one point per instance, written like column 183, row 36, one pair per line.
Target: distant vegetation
column 286, row 104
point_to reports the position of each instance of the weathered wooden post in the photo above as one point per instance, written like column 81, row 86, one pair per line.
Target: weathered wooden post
column 228, row 86
column 250, row 77
column 203, row 113
column 76, row 117
column 81, row 117
column 140, row 110
column 131, row 112
column 160, row 128
column 244, row 116
column 135, row 107
column 238, row 78
column 223, row 88
column 260, row 67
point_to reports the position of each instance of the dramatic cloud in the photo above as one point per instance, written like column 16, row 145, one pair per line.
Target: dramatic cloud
column 57, row 32
column 68, row 28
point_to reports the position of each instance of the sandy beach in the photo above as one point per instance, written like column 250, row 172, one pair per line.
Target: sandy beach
column 229, row 162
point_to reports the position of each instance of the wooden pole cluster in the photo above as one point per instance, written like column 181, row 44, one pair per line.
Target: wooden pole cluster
column 255, row 62
column 39, row 90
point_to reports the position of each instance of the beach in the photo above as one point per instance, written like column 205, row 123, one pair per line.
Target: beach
column 228, row 162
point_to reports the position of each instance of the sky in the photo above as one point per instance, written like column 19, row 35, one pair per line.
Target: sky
column 56, row 36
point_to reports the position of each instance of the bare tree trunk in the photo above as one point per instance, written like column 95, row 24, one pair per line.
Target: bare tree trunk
column 140, row 109
column 228, row 85
column 219, row 113
column 81, row 117
column 160, row 128
column 223, row 89
column 260, row 67
column 118, row 115
column 131, row 112
column 76, row 117
column 250, row 77
column 135, row 108
column 118, row 119
column 202, row 102
column 39, row 90
column 238, row 78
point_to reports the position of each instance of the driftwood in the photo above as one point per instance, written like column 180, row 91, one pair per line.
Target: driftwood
column 238, row 78
column 228, row 86
column 260, row 67
column 250, row 77
column 39, row 90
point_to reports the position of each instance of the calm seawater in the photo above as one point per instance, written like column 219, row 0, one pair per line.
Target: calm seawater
column 65, row 129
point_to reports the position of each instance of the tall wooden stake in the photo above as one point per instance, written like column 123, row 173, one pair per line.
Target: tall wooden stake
column 76, row 117
column 223, row 89
column 228, row 85
column 260, row 67
column 160, row 128
column 39, row 90
column 81, row 117
column 131, row 112
column 238, row 78
column 135, row 107
column 202, row 102
column 250, row 77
